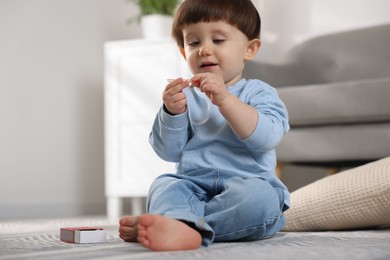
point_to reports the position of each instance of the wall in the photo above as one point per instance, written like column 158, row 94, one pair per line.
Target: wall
column 51, row 91
column 286, row 23
column 51, row 103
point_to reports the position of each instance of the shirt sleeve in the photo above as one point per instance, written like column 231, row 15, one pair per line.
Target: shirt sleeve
column 169, row 135
column 272, row 122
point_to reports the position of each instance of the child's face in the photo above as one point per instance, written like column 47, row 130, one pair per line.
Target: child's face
column 217, row 47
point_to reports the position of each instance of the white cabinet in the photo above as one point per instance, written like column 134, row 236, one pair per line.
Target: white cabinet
column 136, row 72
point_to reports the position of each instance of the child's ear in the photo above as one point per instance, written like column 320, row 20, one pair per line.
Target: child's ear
column 183, row 53
column 253, row 48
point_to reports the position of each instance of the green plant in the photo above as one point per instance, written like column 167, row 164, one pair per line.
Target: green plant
column 164, row 7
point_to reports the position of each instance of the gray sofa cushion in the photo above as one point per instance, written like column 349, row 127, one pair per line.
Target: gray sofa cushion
column 335, row 103
column 330, row 143
column 344, row 56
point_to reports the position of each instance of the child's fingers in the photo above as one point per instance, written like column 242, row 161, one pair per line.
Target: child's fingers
column 173, row 82
column 197, row 79
column 176, row 85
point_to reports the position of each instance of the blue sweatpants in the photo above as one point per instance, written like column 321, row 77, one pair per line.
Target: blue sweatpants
column 220, row 205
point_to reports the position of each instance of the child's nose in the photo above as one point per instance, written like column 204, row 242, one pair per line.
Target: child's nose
column 205, row 50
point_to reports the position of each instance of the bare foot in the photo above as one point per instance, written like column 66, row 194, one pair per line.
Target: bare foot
column 161, row 233
column 128, row 229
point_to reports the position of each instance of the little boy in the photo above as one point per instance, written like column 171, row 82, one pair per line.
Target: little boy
column 222, row 134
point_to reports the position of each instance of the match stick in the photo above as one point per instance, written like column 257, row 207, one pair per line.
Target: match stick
column 191, row 85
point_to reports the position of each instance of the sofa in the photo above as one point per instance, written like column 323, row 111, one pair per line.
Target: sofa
column 337, row 90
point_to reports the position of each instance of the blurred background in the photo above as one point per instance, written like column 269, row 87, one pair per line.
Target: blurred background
column 52, row 91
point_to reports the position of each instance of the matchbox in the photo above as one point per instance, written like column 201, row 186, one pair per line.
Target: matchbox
column 83, row 235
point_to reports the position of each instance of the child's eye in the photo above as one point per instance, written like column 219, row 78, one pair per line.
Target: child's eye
column 193, row 43
column 218, row 41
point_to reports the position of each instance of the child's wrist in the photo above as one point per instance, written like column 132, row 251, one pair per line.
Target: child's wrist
column 167, row 111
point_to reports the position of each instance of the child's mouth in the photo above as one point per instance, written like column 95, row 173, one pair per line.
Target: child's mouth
column 208, row 65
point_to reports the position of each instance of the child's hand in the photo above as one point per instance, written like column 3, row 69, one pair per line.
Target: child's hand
column 212, row 85
column 173, row 97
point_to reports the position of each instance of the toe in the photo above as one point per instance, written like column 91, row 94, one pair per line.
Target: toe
column 129, row 221
column 146, row 220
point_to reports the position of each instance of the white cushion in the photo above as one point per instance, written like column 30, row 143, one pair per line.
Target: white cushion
column 353, row 199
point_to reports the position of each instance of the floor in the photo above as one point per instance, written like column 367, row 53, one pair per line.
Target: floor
column 39, row 239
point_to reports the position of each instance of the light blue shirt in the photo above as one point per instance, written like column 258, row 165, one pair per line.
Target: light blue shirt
column 201, row 137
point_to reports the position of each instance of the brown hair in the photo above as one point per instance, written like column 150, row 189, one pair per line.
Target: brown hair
column 239, row 13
